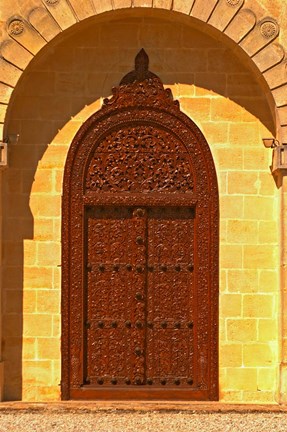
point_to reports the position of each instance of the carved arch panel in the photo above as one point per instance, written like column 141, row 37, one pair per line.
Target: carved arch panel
column 140, row 251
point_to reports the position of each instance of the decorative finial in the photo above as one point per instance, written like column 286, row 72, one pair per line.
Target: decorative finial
column 141, row 65
column 140, row 72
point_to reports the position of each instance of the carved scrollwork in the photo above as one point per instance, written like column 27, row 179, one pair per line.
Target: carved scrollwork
column 138, row 159
column 150, row 91
column 141, row 86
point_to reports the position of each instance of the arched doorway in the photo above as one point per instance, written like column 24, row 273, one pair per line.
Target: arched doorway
column 140, row 251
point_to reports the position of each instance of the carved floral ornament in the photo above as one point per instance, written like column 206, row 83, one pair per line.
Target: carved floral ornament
column 234, row 3
column 140, row 158
column 269, row 28
column 16, row 27
column 52, row 2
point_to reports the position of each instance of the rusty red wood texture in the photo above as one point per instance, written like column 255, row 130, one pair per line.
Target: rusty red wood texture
column 140, row 251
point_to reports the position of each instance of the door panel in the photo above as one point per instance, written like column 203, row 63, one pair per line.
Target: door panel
column 115, row 278
column 140, row 302
column 170, row 299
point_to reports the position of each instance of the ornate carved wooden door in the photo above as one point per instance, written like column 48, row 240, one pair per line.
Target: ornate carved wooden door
column 140, row 251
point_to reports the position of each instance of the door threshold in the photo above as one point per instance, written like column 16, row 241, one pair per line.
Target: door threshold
column 140, row 406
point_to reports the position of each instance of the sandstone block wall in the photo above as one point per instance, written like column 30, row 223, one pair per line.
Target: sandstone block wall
column 61, row 88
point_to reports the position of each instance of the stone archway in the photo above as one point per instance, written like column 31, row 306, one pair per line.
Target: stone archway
column 40, row 25
column 253, row 32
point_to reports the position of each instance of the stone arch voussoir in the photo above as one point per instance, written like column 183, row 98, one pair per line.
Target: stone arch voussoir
column 26, row 36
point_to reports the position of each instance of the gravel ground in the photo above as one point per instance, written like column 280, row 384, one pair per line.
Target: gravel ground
column 113, row 421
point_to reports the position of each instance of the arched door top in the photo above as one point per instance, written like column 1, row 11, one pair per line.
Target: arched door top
column 141, row 118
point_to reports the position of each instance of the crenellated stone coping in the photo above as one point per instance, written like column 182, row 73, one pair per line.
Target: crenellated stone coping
column 26, row 36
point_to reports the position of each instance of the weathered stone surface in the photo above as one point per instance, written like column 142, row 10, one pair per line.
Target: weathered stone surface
column 28, row 36
column 203, row 9
column 282, row 113
column 240, row 84
column 280, row 95
column 284, row 380
column 284, row 137
column 164, row 36
column 43, row 22
column 277, row 76
column 241, row 25
column 119, row 4
column 258, row 354
column 260, row 36
column 183, row 6
column 143, row 3
column 1, row 130
column 270, row 56
column 103, row 5
column 15, row 54
column 190, row 60
column 223, row 14
column 117, row 37
column 62, row 13
column 83, row 8
column 9, row 74
column 3, row 110
column 162, row 4
column 5, row 93
column 217, row 57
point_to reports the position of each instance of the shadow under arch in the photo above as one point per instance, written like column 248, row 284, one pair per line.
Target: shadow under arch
column 186, row 35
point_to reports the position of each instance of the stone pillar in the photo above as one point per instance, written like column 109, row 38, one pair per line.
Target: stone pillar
column 1, row 362
column 283, row 366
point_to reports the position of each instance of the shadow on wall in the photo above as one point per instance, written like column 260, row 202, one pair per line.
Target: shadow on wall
column 67, row 76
